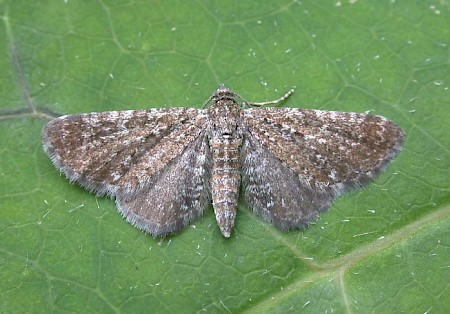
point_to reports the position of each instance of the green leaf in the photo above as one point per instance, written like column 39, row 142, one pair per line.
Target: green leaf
column 384, row 248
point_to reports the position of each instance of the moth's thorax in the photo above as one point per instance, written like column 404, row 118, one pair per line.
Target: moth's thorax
column 225, row 117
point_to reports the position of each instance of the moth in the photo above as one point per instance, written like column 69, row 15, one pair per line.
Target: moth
column 165, row 166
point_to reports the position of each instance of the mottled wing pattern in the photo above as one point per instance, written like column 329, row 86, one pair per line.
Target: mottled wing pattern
column 295, row 161
column 178, row 195
column 137, row 156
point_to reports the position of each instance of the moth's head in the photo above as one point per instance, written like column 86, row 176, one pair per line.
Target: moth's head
column 223, row 92
column 222, row 88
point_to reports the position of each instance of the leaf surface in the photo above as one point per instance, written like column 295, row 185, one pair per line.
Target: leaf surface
column 384, row 248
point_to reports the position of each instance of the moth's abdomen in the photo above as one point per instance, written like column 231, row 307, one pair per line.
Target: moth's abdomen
column 225, row 180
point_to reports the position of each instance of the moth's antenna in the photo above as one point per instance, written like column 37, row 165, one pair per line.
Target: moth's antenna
column 265, row 103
